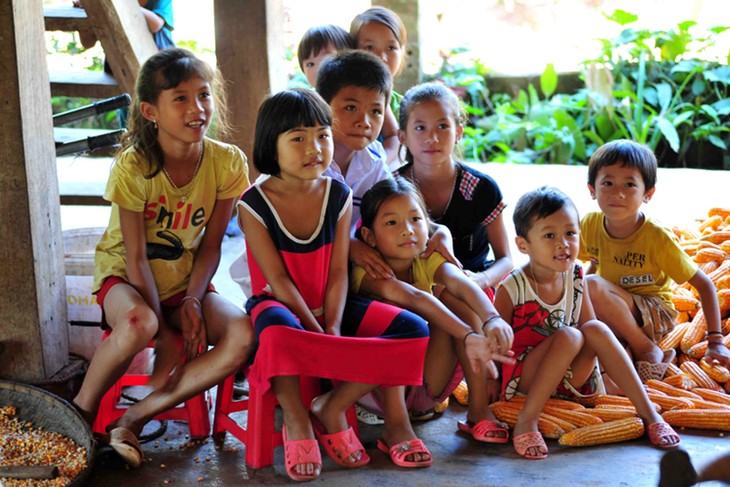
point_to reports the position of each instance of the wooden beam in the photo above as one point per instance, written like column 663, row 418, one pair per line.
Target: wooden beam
column 409, row 12
column 126, row 52
column 65, row 18
column 84, row 83
column 33, row 324
column 249, row 46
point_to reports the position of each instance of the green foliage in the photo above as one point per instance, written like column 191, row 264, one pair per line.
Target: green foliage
column 658, row 87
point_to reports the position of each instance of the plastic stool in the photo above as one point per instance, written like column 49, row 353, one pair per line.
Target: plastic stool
column 196, row 410
column 260, row 435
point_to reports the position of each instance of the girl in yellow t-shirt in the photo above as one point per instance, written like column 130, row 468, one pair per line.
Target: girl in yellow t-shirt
column 172, row 192
column 394, row 222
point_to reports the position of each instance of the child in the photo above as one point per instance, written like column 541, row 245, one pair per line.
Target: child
column 380, row 31
column 633, row 260
column 394, row 222
column 317, row 44
column 557, row 338
column 296, row 223
column 466, row 201
column 676, row 470
column 172, row 192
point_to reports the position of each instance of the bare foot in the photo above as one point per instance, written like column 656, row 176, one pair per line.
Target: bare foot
column 398, row 433
column 332, row 421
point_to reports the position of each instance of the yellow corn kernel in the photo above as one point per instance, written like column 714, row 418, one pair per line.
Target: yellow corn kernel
column 697, row 351
column 672, row 370
column 611, row 432
column 669, row 402
column 673, row 338
column 717, row 397
column 717, row 372
column 695, row 333
column 461, row 393
column 578, row 418
column 670, row 390
column 610, row 413
column 680, row 381
column 682, row 302
column 699, row 376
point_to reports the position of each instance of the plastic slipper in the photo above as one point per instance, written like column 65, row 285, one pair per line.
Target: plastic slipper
column 298, row 452
column 480, row 430
column 400, row 451
column 127, row 446
column 340, row 445
column 676, row 470
column 648, row 370
column 525, row 441
column 660, row 433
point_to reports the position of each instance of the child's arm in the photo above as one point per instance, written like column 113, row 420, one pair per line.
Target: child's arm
column 442, row 242
column 498, row 240
column 139, row 271
column 269, row 260
column 369, row 259
column 430, row 308
column 503, row 304
column 711, row 308
column 466, row 290
column 337, row 282
column 389, row 131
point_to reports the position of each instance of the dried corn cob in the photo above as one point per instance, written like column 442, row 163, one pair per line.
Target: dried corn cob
column 608, row 413
column 578, row 418
column 716, row 372
column 672, row 370
column 716, row 237
column 631, row 408
column 726, row 328
column 699, row 376
column 684, row 358
column 683, row 317
column 562, row 424
column 673, row 338
column 725, row 246
column 612, row 400
column 710, row 223
column 723, row 212
column 680, row 381
column 724, row 281
column 553, row 402
column 507, row 412
column 683, row 302
column 669, row 390
column 670, row 402
column 695, row 333
column 723, row 299
column 713, row 396
column 461, row 393
column 698, row 350
column 706, row 244
column 712, row 419
column 611, row 432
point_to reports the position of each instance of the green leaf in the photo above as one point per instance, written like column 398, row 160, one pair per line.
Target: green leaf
column 717, row 142
column 698, row 87
column 720, row 75
column 622, row 17
column 722, row 106
column 669, row 132
column 549, row 80
column 664, row 95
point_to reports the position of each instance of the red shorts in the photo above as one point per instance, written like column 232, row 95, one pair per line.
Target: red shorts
column 110, row 282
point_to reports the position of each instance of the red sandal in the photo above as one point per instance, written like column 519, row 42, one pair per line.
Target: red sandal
column 479, row 431
column 400, row 451
column 660, row 434
column 298, row 452
column 340, row 445
column 525, row 441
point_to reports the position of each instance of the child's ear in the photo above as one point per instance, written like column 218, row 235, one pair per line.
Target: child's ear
column 367, row 236
column 521, row 243
column 648, row 195
column 148, row 111
column 459, row 131
column 592, row 190
column 402, row 137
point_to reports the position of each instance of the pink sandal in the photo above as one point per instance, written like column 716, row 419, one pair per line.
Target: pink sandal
column 298, row 452
column 525, row 441
column 400, row 451
column 660, row 434
column 479, row 431
column 340, row 445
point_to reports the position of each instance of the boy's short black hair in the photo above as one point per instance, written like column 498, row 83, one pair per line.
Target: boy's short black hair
column 358, row 69
column 319, row 37
column 539, row 203
column 627, row 153
column 279, row 113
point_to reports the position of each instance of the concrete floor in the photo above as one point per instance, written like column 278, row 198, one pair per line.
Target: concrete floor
column 682, row 196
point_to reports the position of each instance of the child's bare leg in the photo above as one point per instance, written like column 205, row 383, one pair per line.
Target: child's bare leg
column 231, row 333
column 601, row 342
column 543, row 369
column 397, row 426
column 717, row 469
column 134, row 325
column 296, row 416
column 168, row 350
column 331, row 408
column 615, row 307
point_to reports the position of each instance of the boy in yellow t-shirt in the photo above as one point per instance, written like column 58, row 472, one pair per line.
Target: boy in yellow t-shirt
column 634, row 260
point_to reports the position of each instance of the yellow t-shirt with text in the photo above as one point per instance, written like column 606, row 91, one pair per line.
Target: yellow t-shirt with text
column 423, row 273
column 174, row 219
column 644, row 263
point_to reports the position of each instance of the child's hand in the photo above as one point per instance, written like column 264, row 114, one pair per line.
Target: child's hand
column 195, row 338
column 442, row 243
column 370, row 259
column 479, row 351
column 500, row 335
column 718, row 353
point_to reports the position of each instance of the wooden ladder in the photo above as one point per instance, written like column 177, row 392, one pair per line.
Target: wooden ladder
column 123, row 34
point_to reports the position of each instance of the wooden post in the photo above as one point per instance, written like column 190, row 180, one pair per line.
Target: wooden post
column 409, row 12
column 33, row 325
column 249, row 50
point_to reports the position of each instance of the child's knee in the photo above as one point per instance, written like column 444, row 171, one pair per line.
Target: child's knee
column 139, row 325
column 410, row 325
column 569, row 338
column 595, row 328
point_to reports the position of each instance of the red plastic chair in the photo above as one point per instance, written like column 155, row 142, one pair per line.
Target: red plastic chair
column 285, row 351
column 195, row 411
